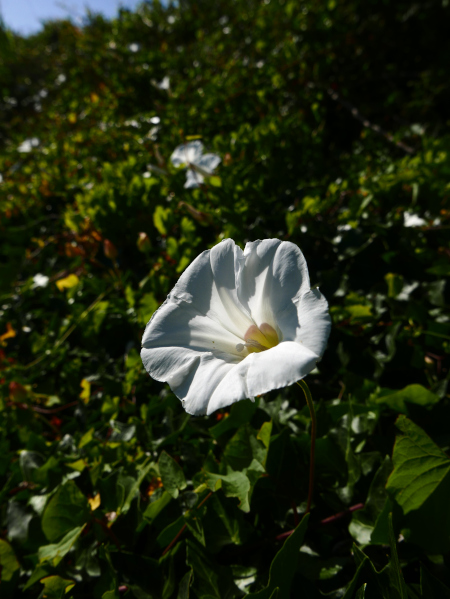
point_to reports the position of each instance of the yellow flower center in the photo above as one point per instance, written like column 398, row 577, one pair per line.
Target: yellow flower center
column 259, row 339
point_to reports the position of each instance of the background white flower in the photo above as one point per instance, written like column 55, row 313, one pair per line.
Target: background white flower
column 199, row 165
column 237, row 324
column 40, row 280
column 164, row 83
column 28, row 145
column 413, row 220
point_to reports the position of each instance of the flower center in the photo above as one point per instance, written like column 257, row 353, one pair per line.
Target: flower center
column 259, row 339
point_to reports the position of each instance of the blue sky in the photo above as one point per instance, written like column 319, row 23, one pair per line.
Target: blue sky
column 25, row 16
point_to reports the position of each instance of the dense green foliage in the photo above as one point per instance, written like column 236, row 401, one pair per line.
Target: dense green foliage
column 330, row 118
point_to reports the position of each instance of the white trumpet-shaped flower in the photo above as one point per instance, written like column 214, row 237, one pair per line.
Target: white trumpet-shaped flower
column 199, row 165
column 236, row 325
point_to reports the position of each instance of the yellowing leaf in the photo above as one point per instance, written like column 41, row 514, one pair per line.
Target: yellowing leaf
column 215, row 181
column 394, row 284
column 67, row 282
column 79, row 465
column 72, row 117
column 359, row 311
column 160, row 217
column 38, row 241
column 86, row 438
column 10, row 333
column 55, row 586
column 85, row 394
column 95, row 502
column 8, row 561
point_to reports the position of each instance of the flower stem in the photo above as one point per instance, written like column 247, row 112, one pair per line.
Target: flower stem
column 309, row 401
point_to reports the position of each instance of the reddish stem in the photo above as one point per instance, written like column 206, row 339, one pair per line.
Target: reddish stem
column 108, row 531
column 182, row 529
column 329, row 520
column 338, row 516
column 39, row 410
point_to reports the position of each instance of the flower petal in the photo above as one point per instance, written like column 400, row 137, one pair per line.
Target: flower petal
column 307, row 321
column 274, row 276
column 206, row 288
column 208, row 162
column 261, row 372
column 315, row 321
column 192, row 375
column 182, row 326
column 193, row 179
column 190, row 152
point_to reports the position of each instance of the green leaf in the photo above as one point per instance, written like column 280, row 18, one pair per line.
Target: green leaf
column 215, row 181
column 440, row 270
column 380, row 533
column 431, row 587
column 183, row 588
column 121, row 431
column 398, row 581
column 55, row 552
column 55, row 587
column 210, row 580
column 381, row 585
column 364, row 521
column 243, row 448
column 133, row 490
column 357, row 580
column 167, row 535
column 195, row 526
column 8, row 561
column 138, row 592
column 235, row 484
column 172, row 475
column 67, row 509
column 160, row 217
column 169, row 582
column 419, row 466
column 394, row 283
column 233, row 532
column 429, row 526
column 264, row 433
column 284, row 565
column 157, row 506
column 359, row 312
column 415, row 394
column 240, row 414
column 38, row 574
column 147, row 307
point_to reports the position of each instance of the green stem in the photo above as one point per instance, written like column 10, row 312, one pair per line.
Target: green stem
column 309, row 401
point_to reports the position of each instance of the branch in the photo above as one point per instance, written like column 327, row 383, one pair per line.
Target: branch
column 366, row 123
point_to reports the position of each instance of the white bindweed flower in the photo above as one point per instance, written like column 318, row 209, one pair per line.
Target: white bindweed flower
column 199, row 165
column 413, row 220
column 236, row 325
column 40, row 280
column 164, row 83
column 28, row 145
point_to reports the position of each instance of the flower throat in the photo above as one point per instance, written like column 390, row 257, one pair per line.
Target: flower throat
column 259, row 339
